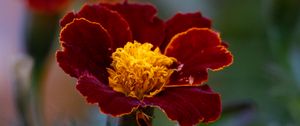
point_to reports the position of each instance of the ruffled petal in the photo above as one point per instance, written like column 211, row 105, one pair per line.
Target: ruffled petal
column 85, row 49
column 113, row 22
column 188, row 105
column 202, row 49
column 144, row 24
column 69, row 17
column 109, row 101
column 182, row 22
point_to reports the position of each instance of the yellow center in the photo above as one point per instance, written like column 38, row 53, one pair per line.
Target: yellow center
column 137, row 71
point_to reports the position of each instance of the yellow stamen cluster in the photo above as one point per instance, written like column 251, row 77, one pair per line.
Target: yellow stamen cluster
column 137, row 71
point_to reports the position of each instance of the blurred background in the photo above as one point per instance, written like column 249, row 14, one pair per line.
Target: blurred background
column 261, row 88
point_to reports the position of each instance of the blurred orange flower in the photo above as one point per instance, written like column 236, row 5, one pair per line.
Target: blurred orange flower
column 48, row 6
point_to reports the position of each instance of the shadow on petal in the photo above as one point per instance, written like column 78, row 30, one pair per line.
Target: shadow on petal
column 113, row 22
column 203, row 50
column 85, row 49
column 109, row 101
column 188, row 105
column 144, row 24
column 190, row 20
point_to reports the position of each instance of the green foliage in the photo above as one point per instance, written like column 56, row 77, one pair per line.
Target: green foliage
column 264, row 38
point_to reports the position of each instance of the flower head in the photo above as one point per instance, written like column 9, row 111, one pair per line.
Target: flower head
column 125, row 58
column 139, row 72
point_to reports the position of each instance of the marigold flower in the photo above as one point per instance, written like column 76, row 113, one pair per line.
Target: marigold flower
column 126, row 58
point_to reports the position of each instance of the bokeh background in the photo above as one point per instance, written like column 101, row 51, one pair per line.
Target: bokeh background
column 261, row 88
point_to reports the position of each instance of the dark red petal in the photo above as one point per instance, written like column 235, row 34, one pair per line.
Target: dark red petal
column 202, row 49
column 214, row 58
column 188, row 105
column 109, row 101
column 188, row 77
column 182, row 22
column 112, row 21
column 85, row 49
column 144, row 24
column 69, row 17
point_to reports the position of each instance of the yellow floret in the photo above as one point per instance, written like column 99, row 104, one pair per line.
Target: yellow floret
column 137, row 71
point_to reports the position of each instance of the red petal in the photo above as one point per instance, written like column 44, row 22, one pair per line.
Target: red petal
column 112, row 21
column 85, row 49
column 109, row 101
column 69, row 17
column 182, row 22
column 202, row 49
column 188, row 105
column 144, row 24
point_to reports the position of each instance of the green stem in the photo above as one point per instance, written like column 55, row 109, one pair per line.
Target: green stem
column 36, row 101
column 40, row 35
column 21, row 103
column 141, row 117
